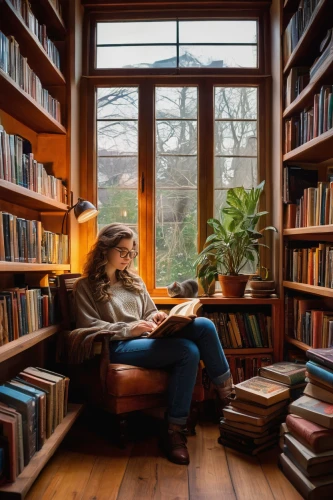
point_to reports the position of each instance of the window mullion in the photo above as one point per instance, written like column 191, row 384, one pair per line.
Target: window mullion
column 206, row 158
column 146, row 184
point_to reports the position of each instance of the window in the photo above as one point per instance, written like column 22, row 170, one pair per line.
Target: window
column 170, row 142
column 177, row 44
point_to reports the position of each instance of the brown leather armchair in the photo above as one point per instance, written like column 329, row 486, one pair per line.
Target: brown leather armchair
column 117, row 388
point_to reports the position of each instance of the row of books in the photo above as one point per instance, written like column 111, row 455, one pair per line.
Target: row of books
column 313, row 209
column 245, row 367
column 297, row 25
column 31, row 406
column 296, row 81
column 307, row 434
column 23, row 240
column 311, row 122
column 17, row 67
column 17, row 165
column 242, row 329
column 310, row 265
column 18, row 4
column 39, row 30
column 306, row 321
column 25, row 310
column 251, row 421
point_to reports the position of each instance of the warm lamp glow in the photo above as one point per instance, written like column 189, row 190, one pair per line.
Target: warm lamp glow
column 83, row 211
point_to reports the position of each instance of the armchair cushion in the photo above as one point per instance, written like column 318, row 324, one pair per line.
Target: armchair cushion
column 128, row 380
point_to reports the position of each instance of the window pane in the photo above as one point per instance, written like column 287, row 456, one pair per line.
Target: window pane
column 136, row 32
column 137, row 57
column 176, row 184
column 218, row 56
column 236, row 138
column 233, row 172
column 115, row 171
column 176, row 102
column 217, row 32
column 117, row 103
column 118, row 138
column 236, row 162
column 176, row 171
column 178, row 137
column 236, row 102
column 117, row 175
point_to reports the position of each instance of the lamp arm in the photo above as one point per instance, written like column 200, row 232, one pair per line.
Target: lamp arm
column 65, row 217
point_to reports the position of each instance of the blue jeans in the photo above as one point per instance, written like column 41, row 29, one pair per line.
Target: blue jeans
column 180, row 355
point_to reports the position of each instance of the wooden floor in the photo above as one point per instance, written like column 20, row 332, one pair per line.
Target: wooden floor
column 89, row 466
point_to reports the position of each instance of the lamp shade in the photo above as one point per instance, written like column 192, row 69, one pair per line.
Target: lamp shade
column 84, row 210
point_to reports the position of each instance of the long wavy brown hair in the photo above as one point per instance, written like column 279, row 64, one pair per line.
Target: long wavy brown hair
column 95, row 266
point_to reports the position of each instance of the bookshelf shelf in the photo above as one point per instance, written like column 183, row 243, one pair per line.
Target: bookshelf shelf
column 297, row 343
column 28, row 198
column 244, row 301
column 24, row 108
column 315, row 290
column 51, row 18
column 23, row 483
column 318, row 149
column 29, row 44
column 305, row 98
column 23, row 343
column 26, row 266
column 254, row 350
column 310, row 230
column 314, row 31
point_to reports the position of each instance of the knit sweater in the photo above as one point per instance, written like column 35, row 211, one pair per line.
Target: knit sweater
column 117, row 315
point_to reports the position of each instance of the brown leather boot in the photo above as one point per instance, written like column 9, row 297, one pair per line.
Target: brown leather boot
column 174, row 445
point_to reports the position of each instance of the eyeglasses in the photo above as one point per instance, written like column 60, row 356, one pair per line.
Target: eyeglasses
column 126, row 253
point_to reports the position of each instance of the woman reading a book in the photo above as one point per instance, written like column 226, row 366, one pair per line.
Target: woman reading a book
column 112, row 297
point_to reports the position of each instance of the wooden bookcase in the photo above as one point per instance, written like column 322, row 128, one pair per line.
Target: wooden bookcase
column 51, row 144
column 219, row 303
column 317, row 153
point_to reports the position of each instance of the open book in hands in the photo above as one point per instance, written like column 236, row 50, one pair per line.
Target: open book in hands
column 179, row 316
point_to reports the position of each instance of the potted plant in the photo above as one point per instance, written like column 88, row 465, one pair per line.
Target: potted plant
column 235, row 241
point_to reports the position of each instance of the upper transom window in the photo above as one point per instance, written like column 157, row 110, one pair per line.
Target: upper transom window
column 177, row 44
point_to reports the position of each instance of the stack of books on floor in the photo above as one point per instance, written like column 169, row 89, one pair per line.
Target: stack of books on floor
column 252, row 419
column 31, row 406
column 307, row 458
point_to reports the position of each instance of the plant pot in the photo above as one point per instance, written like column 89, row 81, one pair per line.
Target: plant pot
column 262, row 284
column 233, row 286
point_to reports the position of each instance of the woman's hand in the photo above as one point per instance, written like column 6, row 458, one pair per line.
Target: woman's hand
column 139, row 327
column 159, row 317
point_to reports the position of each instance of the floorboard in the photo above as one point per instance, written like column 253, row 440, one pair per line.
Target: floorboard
column 89, row 466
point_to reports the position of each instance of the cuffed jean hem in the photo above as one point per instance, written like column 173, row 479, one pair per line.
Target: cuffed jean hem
column 222, row 378
column 177, row 420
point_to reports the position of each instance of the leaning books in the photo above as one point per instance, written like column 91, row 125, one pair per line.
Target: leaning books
column 314, row 436
column 261, row 390
column 179, row 316
column 322, row 356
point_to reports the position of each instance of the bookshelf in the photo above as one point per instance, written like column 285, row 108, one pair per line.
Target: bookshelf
column 58, row 150
column 216, row 302
column 316, row 154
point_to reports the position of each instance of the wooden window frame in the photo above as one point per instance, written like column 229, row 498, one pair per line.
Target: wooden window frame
column 146, row 80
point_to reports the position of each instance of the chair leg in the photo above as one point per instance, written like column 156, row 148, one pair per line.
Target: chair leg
column 122, row 424
column 192, row 419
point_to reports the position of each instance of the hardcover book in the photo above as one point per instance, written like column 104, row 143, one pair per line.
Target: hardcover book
column 314, row 391
column 8, row 430
column 249, row 418
column 224, row 425
column 180, row 315
column 322, row 356
column 284, row 372
column 321, row 372
column 262, row 391
column 314, row 410
column 314, row 464
column 318, row 488
column 314, row 436
column 256, row 407
column 249, row 450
